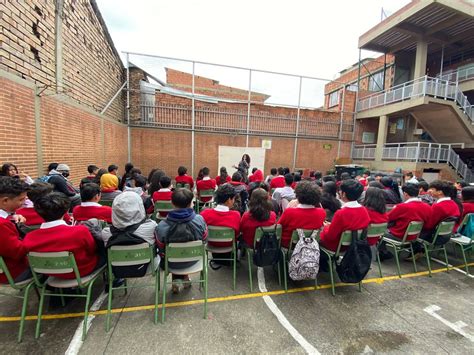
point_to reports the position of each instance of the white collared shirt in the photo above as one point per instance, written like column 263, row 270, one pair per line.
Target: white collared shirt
column 206, row 178
column 221, row 208
column 90, row 204
column 4, row 214
column 59, row 222
column 302, row 205
column 352, row 204
column 164, row 190
column 413, row 199
column 443, row 199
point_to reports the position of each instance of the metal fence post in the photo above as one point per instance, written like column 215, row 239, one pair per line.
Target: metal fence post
column 248, row 109
column 193, row 123
column 398, row 152
column 428, row 158
column 297, row 124
column 425, row 81
column 129, row 135
column 417, row 152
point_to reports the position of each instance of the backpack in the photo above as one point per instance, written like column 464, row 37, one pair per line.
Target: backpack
column 304, row 262
column 44, row 178
column 267, row 251
column 180, row 233
column 468, row 229
column 355, row 263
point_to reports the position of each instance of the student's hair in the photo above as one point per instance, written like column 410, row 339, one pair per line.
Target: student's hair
column 376, row 184
column 281, row 170
column 223, row 174
column 366, row 172
column 375, row 200
column 387, row 181
column 379, row 174
column 441, row 186
column 39, row 189
column 297, row 177
column 128, row 167
column 182, row 170
column 330, row 188
column 112, row 167
column 6, row 167
column 200, row 174
column 345, row 176
column 328, row 178
column 155, row 182
column 409, row 174
column 467, row 194
column 205, row 171
column 100, row 173
column 246, row 157
column 126, row 174
column 258, row 185
column 423, row 185
column 289, row 179
column 52, row 166
column 462, row 183
column 224, row 192
column 11, row 187
column 411, row 190
column 92, row 168
column 52, row 206
column 135, row 171
column 273, row 171
column 88, row 192
column 328, row 197
column 352, row 188
column 259, row 205
column 286, row 170
column 254, row 170
column 140, row 180
column 308, row 193
column 182, row 198
column 165, row 181
column 236, row 177
column 318, row 175
column 370, row 179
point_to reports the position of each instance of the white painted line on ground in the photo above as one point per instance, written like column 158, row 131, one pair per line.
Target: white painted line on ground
column 76, row 342
column 457, row 327
column 454, row 268
column 310, row 349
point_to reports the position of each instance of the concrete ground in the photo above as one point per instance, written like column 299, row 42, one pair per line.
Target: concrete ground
column 390, row 315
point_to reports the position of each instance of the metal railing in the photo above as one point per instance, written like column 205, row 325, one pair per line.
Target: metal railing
column 424, row 86
column 418, row 152
column 458, row 75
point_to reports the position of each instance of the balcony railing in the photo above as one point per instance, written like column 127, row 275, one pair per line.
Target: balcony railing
column 458, row 75
column 418, row 152
column 424, row 86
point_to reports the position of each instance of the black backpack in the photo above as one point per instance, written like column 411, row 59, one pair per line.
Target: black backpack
column 356, row 261
column 267, row 252
column 180, row 232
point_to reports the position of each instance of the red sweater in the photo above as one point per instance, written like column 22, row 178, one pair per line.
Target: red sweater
column 205, row 185
column 468, row 207
column 304, row 218
column 84, row 213
column 277, row 181
column 229, row 219
column 185, row 179
column 162, row 195
column 248, row 225
column 257, row 176
column 76, row 239
column 404, row 213
column 33, row 218
column 375, row 218
column 347, row 218
column 12, row 249
column 440, row 211
column 218, row 179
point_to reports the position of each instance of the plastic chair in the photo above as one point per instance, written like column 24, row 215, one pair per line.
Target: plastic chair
column 258, row 235
column 185, row 252
column 204, row 194
column 377, row 230
column 61, row 263
column 182, row 185
column 106, row 202
column 413, row 231
column 24, row 286
column 442, row 229
column 129, row 255
column 222, row 235
column 333, row 256
column 465, row 242
column 161, row 206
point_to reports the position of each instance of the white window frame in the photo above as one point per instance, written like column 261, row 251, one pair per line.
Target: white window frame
column 332, row 102
column 374, row 79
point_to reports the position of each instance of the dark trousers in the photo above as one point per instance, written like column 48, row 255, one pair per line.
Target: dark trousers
column 428, row 235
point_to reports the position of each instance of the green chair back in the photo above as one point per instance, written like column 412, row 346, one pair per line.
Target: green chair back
column 128, row 255
column 184, row 252
column 206, row 193
column 376, row 230
column 346, row 240
column 414, row 229
column 259, row 232
column 182, row 185
column 220, row 234
column 106, row 202
column 162, row 206
column 56, row 263
column 443, row 229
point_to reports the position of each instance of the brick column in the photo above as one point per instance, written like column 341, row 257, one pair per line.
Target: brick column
column 381, row 137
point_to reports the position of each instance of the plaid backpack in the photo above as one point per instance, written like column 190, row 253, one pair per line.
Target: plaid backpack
column 304, row 262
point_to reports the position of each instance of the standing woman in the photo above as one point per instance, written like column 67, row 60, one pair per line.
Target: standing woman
column 243, row 167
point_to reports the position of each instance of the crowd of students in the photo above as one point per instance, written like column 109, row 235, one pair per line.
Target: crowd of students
column 72, row 219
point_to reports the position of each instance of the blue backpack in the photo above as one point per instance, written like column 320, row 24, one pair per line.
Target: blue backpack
column 468, row 228
column 44, row 178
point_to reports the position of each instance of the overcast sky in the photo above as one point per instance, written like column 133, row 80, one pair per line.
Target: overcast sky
column 317, row 38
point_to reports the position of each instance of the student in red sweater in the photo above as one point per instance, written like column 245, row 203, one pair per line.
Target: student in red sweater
column 467, row 201
column 205, row 184
column 257, row 175
column 90, row 207
column 12, row 249
column 352, row 216
column 183, row 178
column 260, row 214
column 163, row 194
column 36, row 191
column 306, row 215
column 374, row 203
column 223, row 177
column 55, row 235
column 279, row 180
column 222, row 215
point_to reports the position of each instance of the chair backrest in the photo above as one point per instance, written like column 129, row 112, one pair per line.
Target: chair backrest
column 414, row 229
column 54, row 263
column 4, row 270
column 206, row 193
column 443, row 228
column 182, row 185
column 307, row 233
column 346, row 240
column 162, row 206
column 260, row 230
column 220, row 234
column 128, row 255
column 376, row 230
column 106, row 202
column 184, row 252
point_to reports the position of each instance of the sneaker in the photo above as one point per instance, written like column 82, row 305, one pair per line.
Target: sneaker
column 417, row 256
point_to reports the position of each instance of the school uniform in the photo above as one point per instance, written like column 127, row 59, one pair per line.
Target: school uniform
column 257, row 176
column 440, row 210
column 402, row 214
column 278, row 181
column 12, row 249
column 185, row 179
column 205, row 184
column 162, row 195
column 468, row 207
column 219, row 182
column 375, row 218
column 33, row 218
column 222, row 216
column 89, row 210
column 248, row 225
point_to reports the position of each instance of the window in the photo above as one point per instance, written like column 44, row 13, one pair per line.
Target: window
column 376, row 81
column 333, row 98
column 352, row 87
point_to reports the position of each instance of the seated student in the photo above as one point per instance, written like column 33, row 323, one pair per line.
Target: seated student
column 279, row 180
column 423, row 193
column 391, row 193
column 307, row 215
column 137, row 184
column 163, row 194
column 92, row 177
column 109, row 183
column 36, row 191
column 183, row 178
column 257, row 175
column 363, row 179
column 410, row 178
column 222, row 215
column 273, row 173
column 329, row 200
column 296, row 179
column 181, row 225
column 205, row 184
column 262, row 185
column 284, row 193
column 223, row 177
column 90, row 207
column 59, row 179
column 459, row 185
column 9, row 169
column 260, row 214
column 352, row 216
column 12, row 196
column 374, row 203
column 55, row 235
column 242, row 195
column 467, row 201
